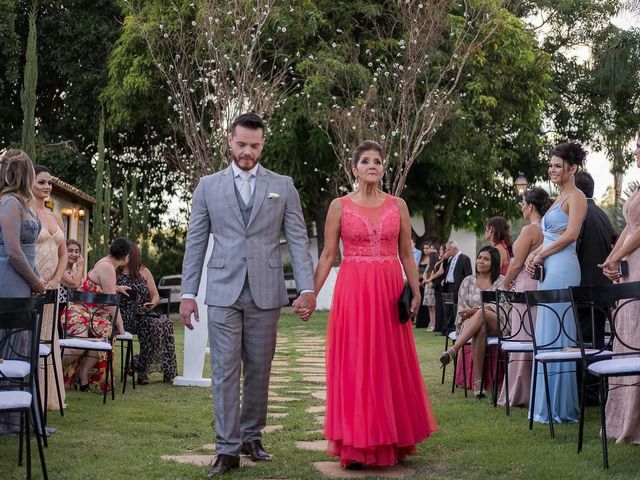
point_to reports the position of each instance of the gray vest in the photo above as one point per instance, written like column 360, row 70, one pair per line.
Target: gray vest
column 245, row 210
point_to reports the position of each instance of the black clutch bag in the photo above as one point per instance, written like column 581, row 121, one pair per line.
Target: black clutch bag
column 404, row 303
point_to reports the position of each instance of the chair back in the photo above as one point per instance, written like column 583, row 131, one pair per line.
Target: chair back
column 450, row 304
column 165, row 293
column 558, row 304
column 511, row 315
column 19, row 336
column 50, row 297
column 614, row 302
column 95, row 307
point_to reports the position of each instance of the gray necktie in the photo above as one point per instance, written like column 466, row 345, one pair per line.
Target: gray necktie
column 245, row 187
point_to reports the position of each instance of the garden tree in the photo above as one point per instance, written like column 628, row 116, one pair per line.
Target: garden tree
column 216, row 61
column 9, row 70
column 611, row 94
column 29, row 85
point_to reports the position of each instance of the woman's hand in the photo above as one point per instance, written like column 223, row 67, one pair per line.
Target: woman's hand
column 529, row 264
column 468, row 312
column 52, row 284
column 415, row 306
column 507, row 285
column 611, row 269
column 123, row 289
column 39, row 287
column 148, row 306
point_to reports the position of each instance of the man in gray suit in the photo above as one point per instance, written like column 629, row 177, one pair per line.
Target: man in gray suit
column 245, row 207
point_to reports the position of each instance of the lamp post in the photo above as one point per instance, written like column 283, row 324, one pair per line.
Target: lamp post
column 521, row 183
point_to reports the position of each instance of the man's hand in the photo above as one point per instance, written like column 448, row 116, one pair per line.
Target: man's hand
column 305, row 305
column 188, row 306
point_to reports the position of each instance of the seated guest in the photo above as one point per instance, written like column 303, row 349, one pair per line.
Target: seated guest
column 85, row 320
column 72, row 275
column 155, row 332
column 469, row 319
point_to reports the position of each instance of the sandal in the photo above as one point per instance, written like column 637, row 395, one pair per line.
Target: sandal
column 477, row 392
column 143, row 380
column 447, row 357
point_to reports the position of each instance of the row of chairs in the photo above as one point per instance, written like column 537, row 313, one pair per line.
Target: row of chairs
column 591, row 355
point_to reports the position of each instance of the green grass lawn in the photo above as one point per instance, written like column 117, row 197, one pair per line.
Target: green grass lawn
column 125, row 438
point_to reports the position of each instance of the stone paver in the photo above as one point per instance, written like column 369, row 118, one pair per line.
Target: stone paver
column 316, row 409
column 320, row 419
column 308, row 369
column 316, row 445
column 277, row 415
column 282, row 399
column 315, row 379
column 277, row 407
column 208, row 446
column 320, row 395
column 202, row 460
column 272, row 428
column 319, row 360
column 334, row 470
column 313, row 432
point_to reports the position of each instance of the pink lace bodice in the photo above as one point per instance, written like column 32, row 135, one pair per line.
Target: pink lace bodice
column 370, row 234
column 631, row 212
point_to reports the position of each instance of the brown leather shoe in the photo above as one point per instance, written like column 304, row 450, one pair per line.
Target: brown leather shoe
column 255, row 451
column 223, row 464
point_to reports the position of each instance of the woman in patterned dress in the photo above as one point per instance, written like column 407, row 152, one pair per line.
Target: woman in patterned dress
column 155, row 332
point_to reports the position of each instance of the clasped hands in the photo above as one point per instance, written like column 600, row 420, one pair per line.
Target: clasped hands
column 305, row 305
column 611, row 269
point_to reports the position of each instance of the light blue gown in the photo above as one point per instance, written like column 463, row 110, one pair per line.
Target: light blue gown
column 561, row 270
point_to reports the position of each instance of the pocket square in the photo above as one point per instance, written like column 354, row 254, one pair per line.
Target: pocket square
column 272, row 195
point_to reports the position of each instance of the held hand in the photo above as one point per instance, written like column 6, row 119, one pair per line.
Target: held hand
column 52, row 284
column 305, row 305
column 415, row 306
column 529, row 265
column 611, row 269
column 188, row 307
column 39, row 287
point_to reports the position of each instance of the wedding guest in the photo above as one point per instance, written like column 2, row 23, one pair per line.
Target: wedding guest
column 72, row 275
column 557, row 255
column 417, row 254
column 593, row 247
column 623, row 404
column 51, row 260
column 423, row 318
column 19, row 229
column 456, row 268
column 470, row 318
column 370, row 355
column 535, row 203
column 83, row 320
column 155, row 332
column 429, row 295
column 436, row 280
column 496, row 230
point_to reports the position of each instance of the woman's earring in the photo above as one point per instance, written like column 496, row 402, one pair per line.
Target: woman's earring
column 572, row 178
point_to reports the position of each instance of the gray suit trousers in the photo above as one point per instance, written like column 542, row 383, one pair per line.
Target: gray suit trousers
column 241, row 336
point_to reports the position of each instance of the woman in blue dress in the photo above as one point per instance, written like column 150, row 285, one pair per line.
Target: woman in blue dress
column 561, row 227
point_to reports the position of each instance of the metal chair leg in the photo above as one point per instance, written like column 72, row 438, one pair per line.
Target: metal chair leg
column 41, row 453
column 548, row 395
column 582, row 409
column 57, row 380
column 28, row 437
column 603, row 423
column 533, row 393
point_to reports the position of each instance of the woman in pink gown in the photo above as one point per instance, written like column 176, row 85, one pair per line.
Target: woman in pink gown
column 377, row 406
column 623, row 404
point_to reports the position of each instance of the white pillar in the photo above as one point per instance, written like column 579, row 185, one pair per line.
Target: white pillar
column 195, row 341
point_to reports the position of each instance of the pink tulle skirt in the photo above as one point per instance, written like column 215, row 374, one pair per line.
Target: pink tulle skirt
column 377, row 406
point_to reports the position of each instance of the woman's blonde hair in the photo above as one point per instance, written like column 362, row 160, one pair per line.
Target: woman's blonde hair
column 17, row 175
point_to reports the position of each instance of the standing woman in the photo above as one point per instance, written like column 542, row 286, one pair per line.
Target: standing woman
column 377, row 406
column 496, row 230
column 535, row 204
column 561, row 227
column 429, row 295
column 423, row 318
column 623, row 404
column 436, row 279
column 51, row 260
column 19, row 228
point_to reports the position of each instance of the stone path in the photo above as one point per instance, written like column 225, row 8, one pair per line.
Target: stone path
column 294, row 379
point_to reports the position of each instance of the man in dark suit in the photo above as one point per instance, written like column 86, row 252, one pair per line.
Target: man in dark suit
column 593, row 247
column 456, row 269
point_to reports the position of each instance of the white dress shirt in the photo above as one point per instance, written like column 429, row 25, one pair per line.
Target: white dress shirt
column 452, row 267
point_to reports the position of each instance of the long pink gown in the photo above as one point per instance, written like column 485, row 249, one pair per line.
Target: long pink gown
column 377, row 405
column 623, row 404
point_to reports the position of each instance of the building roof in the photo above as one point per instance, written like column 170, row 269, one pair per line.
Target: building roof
column 65, row 189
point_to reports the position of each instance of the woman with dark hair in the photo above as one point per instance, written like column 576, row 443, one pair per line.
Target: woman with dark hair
column 496, row 230
column 469, row 319
column 85, row 320
column 535, row 203
column 429, row 294
column 155, row 332
column 557, row 257
column 377, row 406
column 51, row 260
column 422, row 318
column 623, row 404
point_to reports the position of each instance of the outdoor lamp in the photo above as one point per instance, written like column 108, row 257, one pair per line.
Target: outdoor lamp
column 521, row 183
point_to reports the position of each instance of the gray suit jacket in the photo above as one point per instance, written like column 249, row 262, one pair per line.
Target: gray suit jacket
column 240, row 250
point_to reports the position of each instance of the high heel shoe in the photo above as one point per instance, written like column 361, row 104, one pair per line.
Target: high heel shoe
column 477, row 392
column 447, row 357
column 84, row 388
column 354, row 466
